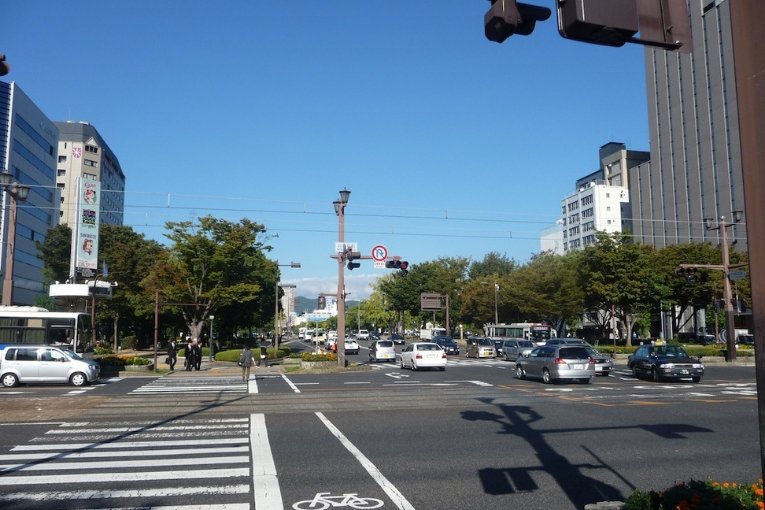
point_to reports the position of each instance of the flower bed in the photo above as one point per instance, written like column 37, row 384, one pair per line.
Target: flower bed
column 700, row 495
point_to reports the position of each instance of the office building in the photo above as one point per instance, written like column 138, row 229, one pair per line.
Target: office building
column 28, row 143
column 695, row 166
column 82, row 152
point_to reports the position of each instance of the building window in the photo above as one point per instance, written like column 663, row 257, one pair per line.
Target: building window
column 61, row 186
column 92, row 149
column 62, row 200
column 62, row 159
column 61, row 172
column 90, row 162
column 88, row 176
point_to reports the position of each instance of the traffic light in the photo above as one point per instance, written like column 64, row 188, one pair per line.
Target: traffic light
column 688, row 272
column 607, row 22
column 4, row 68
column 350, row 256
column 506, row 17
column 401, row 265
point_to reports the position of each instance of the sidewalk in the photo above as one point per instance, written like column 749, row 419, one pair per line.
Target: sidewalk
column 219, row 368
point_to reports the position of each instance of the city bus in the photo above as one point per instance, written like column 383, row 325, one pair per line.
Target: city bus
column 35, row 325
column 534, row 331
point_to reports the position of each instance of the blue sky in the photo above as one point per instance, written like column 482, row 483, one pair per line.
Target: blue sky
column 450, row 144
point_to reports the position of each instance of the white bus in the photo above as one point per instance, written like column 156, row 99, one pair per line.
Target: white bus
column 35, row 325
column 536, row 332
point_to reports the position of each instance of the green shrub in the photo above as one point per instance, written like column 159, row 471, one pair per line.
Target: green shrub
column 110, row 361
column 136, row 361
column 101, row 350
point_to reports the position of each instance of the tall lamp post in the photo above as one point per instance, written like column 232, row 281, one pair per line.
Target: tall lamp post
column 276, row 301
column 340, row 211
column 722, row 226
column 16, row 193
column 496, row 299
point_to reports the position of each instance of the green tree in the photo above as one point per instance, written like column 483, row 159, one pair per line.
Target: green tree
column 214, row 265
column 618, row 276
column 492, row 265
column 55, row 253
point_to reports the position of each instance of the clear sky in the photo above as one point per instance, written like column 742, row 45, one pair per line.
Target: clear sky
column 450, row 144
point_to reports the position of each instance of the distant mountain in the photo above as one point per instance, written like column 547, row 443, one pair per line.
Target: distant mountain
column 305, row 304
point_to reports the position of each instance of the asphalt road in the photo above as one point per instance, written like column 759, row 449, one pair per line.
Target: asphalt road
column 470, row 437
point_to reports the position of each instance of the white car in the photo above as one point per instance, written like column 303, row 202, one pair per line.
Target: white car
column 382, row 350
column 351, row 346
column 423, row 355
column 363, row 334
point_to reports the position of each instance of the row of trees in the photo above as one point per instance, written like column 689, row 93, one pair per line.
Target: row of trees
column 613, row 277
column 220, row 267
column 211, row 267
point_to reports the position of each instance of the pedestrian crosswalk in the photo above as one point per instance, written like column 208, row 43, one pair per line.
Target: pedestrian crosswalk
column 452, row 361
column 182, row 463
column 196, row 385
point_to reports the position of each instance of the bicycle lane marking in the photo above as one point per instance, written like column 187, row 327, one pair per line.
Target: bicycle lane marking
column 266, row 491
column 393, row 493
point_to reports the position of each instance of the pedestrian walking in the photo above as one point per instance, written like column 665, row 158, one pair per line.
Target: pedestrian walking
column 172, row 355
column 198, row 355
column 245, row 360
column 190, row 362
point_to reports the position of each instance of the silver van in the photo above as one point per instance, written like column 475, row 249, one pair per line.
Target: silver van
column 45, row 364
column 476, row 347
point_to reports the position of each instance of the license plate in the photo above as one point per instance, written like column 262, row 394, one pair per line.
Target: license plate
column 684, row 372
column 387, row 356
column 577, row 367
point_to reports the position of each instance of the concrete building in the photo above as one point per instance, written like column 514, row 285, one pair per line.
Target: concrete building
column 601, row 202
column 82, row 152
column 28, row 144
column 695, row 166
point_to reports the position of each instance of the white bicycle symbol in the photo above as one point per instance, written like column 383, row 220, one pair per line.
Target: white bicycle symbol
column 323, row 500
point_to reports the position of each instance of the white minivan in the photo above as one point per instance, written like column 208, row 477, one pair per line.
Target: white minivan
column 45, row 364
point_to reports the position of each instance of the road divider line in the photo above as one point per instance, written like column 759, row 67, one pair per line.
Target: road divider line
column 292, row 385
column 393, row 493
column 266, row 491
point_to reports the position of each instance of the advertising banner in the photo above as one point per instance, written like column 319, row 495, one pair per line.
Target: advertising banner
column 86, row 239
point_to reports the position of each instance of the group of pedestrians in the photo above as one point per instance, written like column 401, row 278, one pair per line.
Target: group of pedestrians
column 193, row 355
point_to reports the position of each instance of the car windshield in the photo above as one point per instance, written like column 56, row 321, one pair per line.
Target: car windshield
column 574, row 353
column 428, row 347
column 591, row 349
column 671, row 351
column 486, row 342
column 385, row 343
column 525, row 343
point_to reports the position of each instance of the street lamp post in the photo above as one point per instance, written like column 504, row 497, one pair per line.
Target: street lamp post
column 16, row 193
column 212, row 342
column 339, row 206
column 722, row 226
column 276, row 301
column 496, row 299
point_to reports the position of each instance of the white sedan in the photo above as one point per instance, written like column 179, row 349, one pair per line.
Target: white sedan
column 423, row 355
column 351, row 346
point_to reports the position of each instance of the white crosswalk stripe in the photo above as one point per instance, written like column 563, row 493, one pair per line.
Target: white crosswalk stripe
column 192, row 385
column 185, row 464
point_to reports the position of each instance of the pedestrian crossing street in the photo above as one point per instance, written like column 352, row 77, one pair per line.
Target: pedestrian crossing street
column 183, row 464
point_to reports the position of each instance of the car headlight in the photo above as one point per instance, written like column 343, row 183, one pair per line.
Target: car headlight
column 667, row 365
column 698, row 365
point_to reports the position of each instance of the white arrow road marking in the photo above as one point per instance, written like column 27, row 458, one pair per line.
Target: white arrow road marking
column 396, row 375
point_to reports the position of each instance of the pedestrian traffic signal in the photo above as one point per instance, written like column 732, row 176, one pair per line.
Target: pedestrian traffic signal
column 608, row 22
column 506, row 17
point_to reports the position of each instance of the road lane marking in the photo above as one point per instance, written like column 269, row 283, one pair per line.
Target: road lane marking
column 252, row 386
column 266, row 491
column 393, row 493
column 15, row 468
column 125, row 476
column 291, row 384
column 136, row 493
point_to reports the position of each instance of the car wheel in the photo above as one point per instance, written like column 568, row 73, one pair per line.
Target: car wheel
column 655, row 375
column 506, row 358
column 635, row 372
column 413, row 367
column 10, row 380
column 442, row 368
column 697, row 379
column 586, row 380
column 519, row 372
column 402, row 363
column 78, row 379
column 546, row 376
